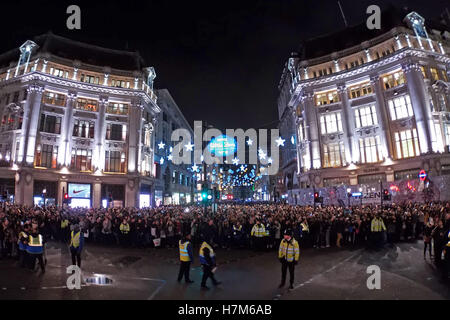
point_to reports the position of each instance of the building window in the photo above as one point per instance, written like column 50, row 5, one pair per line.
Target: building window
column 424, row 73
column 54, row 98
column 434, row 74
column 406, row 144
column 46, row 156
column 120, row 83
column 50, row 124
column 83, row 129
column 370, row 150
column 327, row 98
column 406, row 174
column 301, row 132
column 393, row 80
column 360, row 90
column 117, row 108
column 115, row 161
column 86, row 104
column 447, row 134
column 437, row 144
column 81, row 159
column 59, row 73
column 147, row 138
column 12, row 121
column 333, row 155
column 330, row 123
column 400, row 107
column 366, row 116
column 116, row 132
column 16, row 97
column 89, row 79
column 442, row 103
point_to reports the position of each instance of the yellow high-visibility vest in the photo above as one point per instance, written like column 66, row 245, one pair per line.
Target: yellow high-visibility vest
column 184, row 254
column 64, row 223
column 211, row 252
column 124, row 228
column 75, row 239
column 305, row 227
column 377, row 225
column 290, row 251
column 258, row 231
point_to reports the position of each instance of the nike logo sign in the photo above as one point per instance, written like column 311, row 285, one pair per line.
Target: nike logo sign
column 77, row 191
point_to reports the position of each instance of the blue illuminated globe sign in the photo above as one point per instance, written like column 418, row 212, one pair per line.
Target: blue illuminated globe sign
column 222, row 146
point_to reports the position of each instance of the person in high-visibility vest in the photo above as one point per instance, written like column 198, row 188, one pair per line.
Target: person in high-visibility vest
column 288, row 254
column 35, row 249
column 304, row 233
column 258, row 233
column 186, row 258
column 22, row 243
column 208, row 262
column 377, row 227
column 76, row 245
column 125, row 230
column 64, row 229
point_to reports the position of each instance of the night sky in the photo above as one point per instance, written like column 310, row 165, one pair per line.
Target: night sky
column 221, row 60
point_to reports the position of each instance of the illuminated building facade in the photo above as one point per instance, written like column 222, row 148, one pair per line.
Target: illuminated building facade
column 78, row 119
column 174, row 183
column 369, row 107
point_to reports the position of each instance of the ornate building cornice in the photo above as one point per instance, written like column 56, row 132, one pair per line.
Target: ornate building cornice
column 372, row 66
column 76, row 85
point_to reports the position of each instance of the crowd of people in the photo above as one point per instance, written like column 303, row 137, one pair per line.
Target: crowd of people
column 258, row 226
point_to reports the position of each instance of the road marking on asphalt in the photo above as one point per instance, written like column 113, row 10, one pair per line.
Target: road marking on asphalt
column 326, row 271
column 278, row 296
column 156, row 291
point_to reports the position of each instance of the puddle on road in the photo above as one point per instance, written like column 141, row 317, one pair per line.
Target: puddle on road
column 99, row 280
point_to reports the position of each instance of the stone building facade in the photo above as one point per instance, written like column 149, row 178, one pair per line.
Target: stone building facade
column 77, row 119
column 370, row 107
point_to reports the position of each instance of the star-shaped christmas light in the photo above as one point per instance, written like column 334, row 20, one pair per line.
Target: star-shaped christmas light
column 161, row 145
column 235, row 161
column 189, row 146
column 269, row 160
column 161, row 161
column 261, row 154
column 249, row 142
column 194, row 168
column 170, row 157
column 280, row 142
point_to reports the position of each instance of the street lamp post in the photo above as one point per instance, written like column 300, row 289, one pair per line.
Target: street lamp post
column 44, row 192
column 348, row 196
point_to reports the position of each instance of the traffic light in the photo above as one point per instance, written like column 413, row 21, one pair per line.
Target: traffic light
column 386, row 195
column 317, row 199
column 66, row 198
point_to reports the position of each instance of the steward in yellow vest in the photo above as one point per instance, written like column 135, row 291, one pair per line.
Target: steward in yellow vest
column 186, row 257
column 288, row 254
column 35, row 249
column 208, row 262
column 258, row 233
column 23, row 244
column 76, row 245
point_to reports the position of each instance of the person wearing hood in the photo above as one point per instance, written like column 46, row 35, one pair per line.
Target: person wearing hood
column 76, row 245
